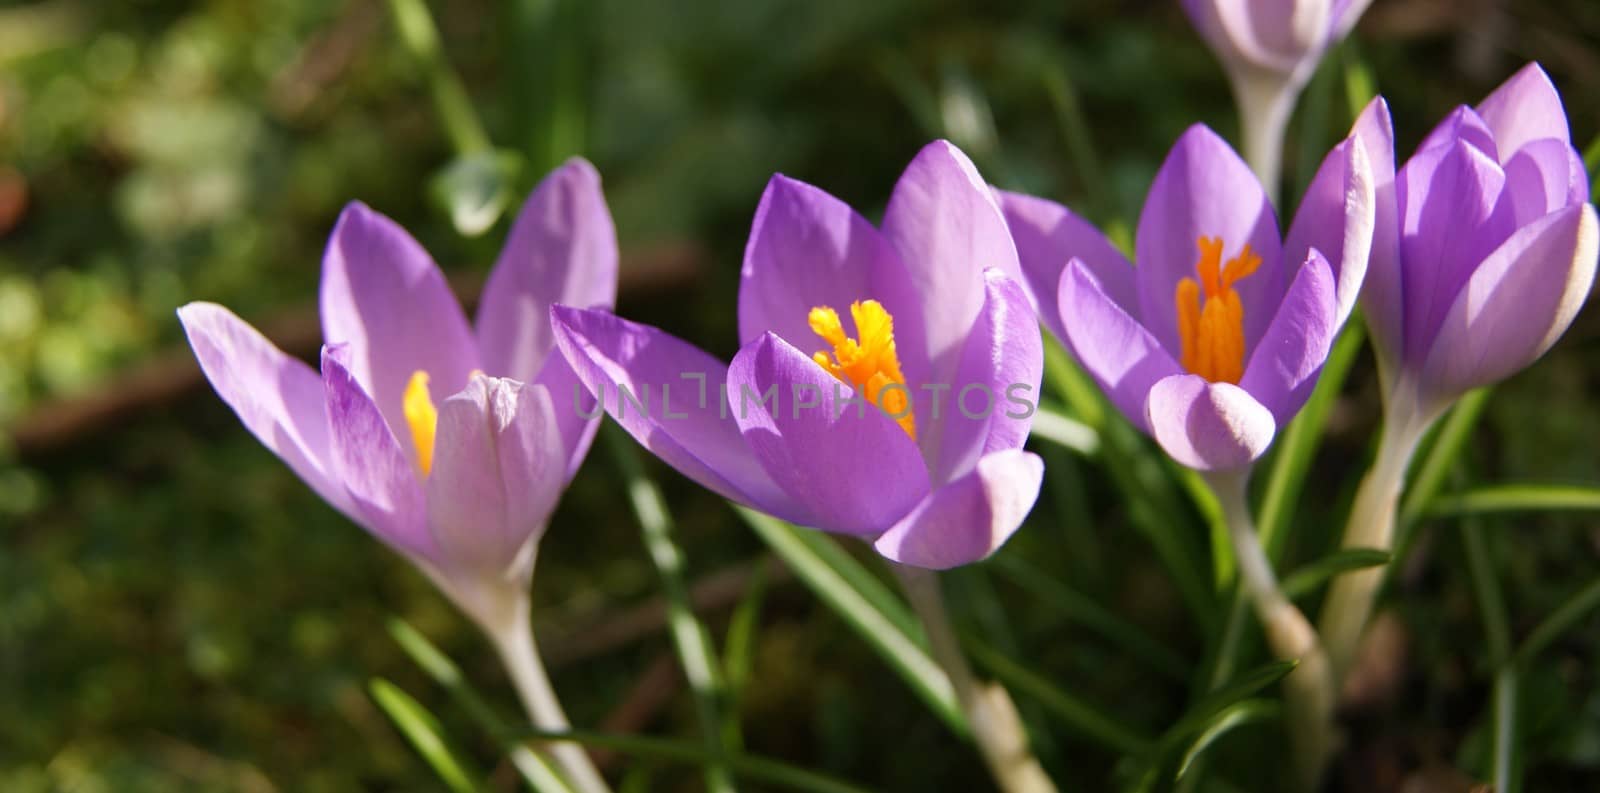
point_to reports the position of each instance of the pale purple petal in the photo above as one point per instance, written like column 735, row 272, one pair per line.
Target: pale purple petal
column 943, row 221
column 1524, row 109
column 1047, row 236
column 383, row 297
column 851, row 465
column 1284, row 365
column 1208, row 426
column 378, row 475
column 990, row 405
column 1346, row 13
column 1204, row 190
column 970, row 518
column 562, row 249
column 1542, row 177
column 278, row 398
column 1447, row 197
column 1337, row 217
column 670, row 396
column 1382, row 296
column 578, row 416
column 498, row 469
column 1516, row 304
column 1113, row 347
column 1463, row 125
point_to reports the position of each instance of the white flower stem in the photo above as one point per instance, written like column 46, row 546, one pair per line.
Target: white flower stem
column 1309, row 689
column 996, row 727
column 513, row 639
column 1372, row 522
column 1266, row 100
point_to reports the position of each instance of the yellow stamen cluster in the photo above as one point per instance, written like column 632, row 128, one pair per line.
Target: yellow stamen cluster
column 869, row 364
column 1211, row 330
column 422, row 417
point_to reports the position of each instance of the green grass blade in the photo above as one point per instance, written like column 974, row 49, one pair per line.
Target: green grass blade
column 1083, row 717
column 418, row 32
column 900, row 649
column 1294, row 451
column 421, row 729
column 1516, row 498
column 1081, row 608
column 1066, row 432
column 751, row 767
column 738, row 647
column 1437, row 459
column 1359, row 85
column 1305, row 580
column 693, row 642
column 1559, row 622
column 537, row 770
column 1247, row 685
column 1221, row 723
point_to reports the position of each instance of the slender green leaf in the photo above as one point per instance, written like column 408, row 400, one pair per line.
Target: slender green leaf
column 1560, row 621
column 422, row 731
column 1295, row 450
column 1085, row 718
column 1075, row 132
column 882, row 633
column 882, row 597
column 420, row 35
column 1359, row 85
column 1440, row 457
column 1591, row 161
column 1083, row 609
column 1516, row 498
column 747, row 766
column 693, row 642
column 1486, row 588
column 738, row 648
column 1247, row 685
column 1221, row 723
column 1066, row 432
column 1305, row 580
column 537, row 770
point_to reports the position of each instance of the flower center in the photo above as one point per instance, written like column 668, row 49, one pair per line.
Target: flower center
column 1210, row 316
column 422, row 417
column 868, row 364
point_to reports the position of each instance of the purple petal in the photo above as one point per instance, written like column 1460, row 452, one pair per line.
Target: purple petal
column 1381, row 296
column 970, row 518
column 498, row 469
column 1524, row 109
column 674, row 403
column 852, row 467
column 1346, row 13
column 1447, row 196
column 1204, row 190
column 1121, row 355
column 279, row 399
column 1208, row 426
column 377, row 473
column 944, row 222
column 1284, row 366
column 1516, row 304
column 1463, row 125
column 990, row 405
column 384, row 298
column 562, row 249
column 1260, row 33
column 1542, row 177
column 579, row 416
column 1337, row 217
column 1047, row 235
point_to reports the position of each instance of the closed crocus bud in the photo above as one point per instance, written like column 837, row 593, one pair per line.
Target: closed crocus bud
column 1486, row 251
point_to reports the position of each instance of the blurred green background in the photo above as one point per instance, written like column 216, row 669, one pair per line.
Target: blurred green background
column 178, row 612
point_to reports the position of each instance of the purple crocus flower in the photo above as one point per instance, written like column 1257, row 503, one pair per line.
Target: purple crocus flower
column 1216, row 338
column 939, row 335
column 1273, row 35
column 440, row 438
column 1485, row 247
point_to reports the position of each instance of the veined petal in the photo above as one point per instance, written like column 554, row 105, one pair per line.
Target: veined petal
column 970, row 518
column 670, row 397
column 1524, row 109
column 278, row 398
column 384, row 298
column 378, row 475
column 562, row 249
column 1208, row 426
column 1204, row 190
column 1337, row 218
column 1516, row 304
column 847, row 463
column 1121, row 354
column 578, row 416
column 1047, row 236
column 1447, row 197
column 990, row 405
column 1286, row 362
column 498, row 470
column 943, row 221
